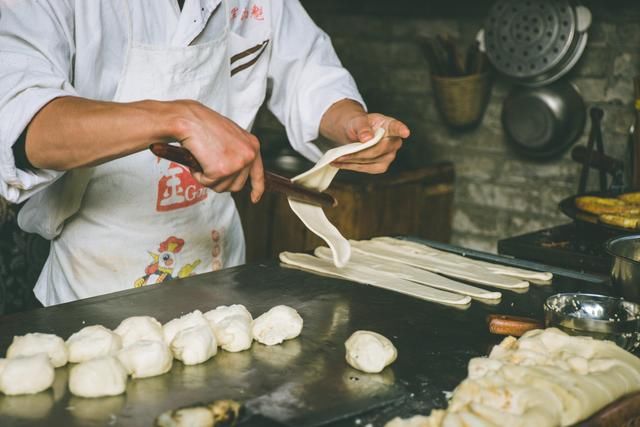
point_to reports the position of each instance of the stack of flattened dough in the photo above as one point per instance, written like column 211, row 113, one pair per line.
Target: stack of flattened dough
column 419, row 271
column 545, row 378
column 139, row 347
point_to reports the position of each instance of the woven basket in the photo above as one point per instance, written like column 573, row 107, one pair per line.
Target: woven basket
column 462, row 100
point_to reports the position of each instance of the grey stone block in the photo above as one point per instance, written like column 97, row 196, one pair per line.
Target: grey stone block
column 595, row 62
column 592, row 89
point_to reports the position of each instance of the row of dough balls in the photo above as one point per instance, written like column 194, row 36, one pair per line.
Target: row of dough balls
column 140, row 346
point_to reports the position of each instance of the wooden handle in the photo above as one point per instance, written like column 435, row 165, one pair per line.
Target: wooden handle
column 511, row 325
column 622, row 412
column 598, row 161
column 273, row 182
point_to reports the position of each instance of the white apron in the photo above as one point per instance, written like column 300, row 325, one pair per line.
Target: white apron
column 141, row 220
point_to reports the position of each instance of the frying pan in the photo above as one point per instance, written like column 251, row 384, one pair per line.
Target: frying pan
column 590, row 221
column 542, row 122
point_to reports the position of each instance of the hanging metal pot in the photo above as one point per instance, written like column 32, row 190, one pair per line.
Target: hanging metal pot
column 543, row 122
column 535, row 42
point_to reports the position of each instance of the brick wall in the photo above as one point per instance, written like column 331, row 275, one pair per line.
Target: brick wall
column 498, row 194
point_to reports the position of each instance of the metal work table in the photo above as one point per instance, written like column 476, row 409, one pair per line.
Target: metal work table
column 302, row 382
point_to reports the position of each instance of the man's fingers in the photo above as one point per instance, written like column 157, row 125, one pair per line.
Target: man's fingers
column 223, row 185
column 397, row 128
column 257, row 179
column 238, row 183
column 372, row 168
column 383, row 147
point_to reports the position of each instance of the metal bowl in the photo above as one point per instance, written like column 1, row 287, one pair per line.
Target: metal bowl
column 625, row 268
column 543, row 122
column 598, row 316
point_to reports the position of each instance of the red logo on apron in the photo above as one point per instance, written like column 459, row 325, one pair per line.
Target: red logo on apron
column 178, row 189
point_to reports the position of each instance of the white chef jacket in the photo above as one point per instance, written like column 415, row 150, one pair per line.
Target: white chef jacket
column 53, row 48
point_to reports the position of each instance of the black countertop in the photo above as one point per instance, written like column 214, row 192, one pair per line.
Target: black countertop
column 303, row 382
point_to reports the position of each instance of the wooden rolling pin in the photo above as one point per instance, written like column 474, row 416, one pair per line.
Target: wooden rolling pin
column 273, row 183
column 500, row 324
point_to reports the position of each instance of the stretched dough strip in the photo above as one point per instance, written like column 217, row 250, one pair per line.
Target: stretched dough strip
column 538, row 277
column 361, row 261
column 319, row 178
column 311, row 263
column 431, row 263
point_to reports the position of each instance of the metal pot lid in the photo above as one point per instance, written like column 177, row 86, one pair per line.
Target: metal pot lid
column 525, row 39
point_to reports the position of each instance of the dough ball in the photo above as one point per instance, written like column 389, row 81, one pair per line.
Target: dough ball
column 369, row 351
column 92, row 342
column 222, row 312
column 194, row 345
column 26, row 374
column 30, row 344
column 104, row 376
column 138, row 328
column 233, row 333
column 189, row 320
column 276, row 325
column 146, row 358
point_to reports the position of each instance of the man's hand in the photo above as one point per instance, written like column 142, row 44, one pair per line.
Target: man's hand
column 346, row 122
column 228, row 154
column 72, row 132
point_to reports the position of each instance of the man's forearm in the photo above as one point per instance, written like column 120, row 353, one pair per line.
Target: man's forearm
column 334, row 122
column 72, row 132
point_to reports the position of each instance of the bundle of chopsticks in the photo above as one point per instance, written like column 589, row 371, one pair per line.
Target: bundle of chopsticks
column 445, row 60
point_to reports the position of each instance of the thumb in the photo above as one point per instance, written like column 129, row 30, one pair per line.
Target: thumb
column 397, row 128
column 360, row 129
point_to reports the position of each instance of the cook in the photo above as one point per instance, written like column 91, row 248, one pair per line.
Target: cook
column 85, row 87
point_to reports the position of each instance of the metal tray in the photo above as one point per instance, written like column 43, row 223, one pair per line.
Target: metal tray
column 304, row 382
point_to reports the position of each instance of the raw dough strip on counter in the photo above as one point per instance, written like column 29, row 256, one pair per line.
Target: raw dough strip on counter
column 466, row 272
column 312, row 263
column 319, row 178
column 538, row 277
column 359, row 260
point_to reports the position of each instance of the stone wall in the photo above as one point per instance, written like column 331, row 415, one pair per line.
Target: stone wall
column 498, row 193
